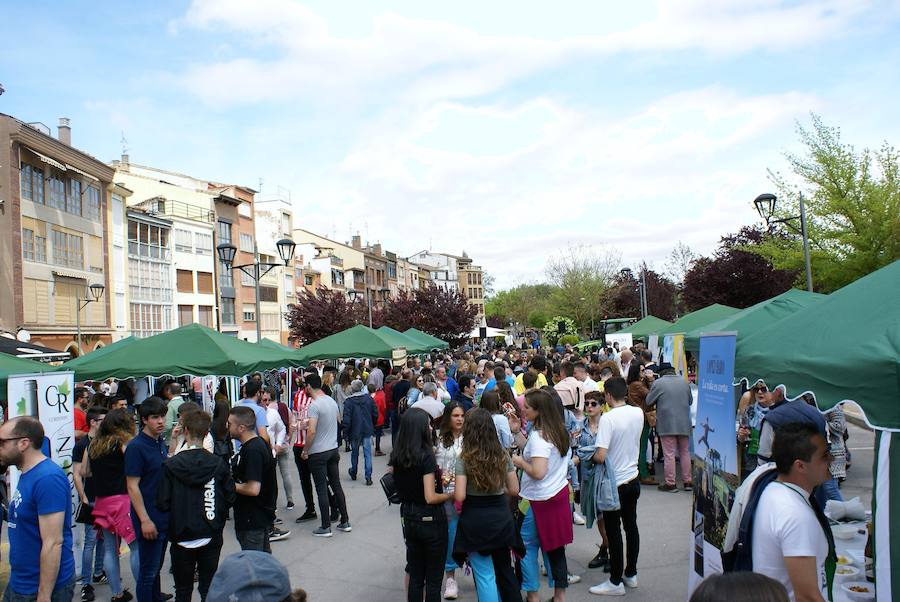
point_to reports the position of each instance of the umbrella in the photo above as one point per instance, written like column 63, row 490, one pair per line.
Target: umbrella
column 357, row 341
column 191, row 349
column 432, row 341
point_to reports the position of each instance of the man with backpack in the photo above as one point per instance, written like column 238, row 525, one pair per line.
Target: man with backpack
column 782, row 532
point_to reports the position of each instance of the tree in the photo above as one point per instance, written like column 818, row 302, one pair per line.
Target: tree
column 551, row 329
column 487, row 282
column 581, row 275
column 679, row 262
column 432, row 309
column 317, row 315
column 623, row 300
column 735, row 275
column 852, row 203
column 521, row 304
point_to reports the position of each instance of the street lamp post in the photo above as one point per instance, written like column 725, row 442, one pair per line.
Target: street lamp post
column 257, row 269
column 96, row 291
column 765, row 206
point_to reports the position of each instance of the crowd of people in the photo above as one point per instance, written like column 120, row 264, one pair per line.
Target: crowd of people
column 495, row 456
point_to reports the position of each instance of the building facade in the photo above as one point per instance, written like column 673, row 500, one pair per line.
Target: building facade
column 150, row 274
column 54, row 219
column 346, row 266
column 444, row 270
column 470, row 283
column 274, row 221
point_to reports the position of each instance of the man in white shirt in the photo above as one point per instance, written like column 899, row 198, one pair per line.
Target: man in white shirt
column 618, row 445
column 581, row 375
column 789, row 543
column 625, row 362
column 428, row 401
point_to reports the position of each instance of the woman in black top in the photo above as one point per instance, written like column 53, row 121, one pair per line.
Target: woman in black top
column 106, row 464
column 421, row 509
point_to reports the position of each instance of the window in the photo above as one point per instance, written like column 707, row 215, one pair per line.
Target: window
column 68, row 249
column 183, row 240
column 27, row 244
column 226, row 280
column 185, row 315
column 73, row 198
column 244, row 210
column 224, row 231
column 92, row 209
column 226, row 306
column 32, row 183
column 246, row 242
column 392, row 270
column 288, row 285
column 149, row 280
column 148, row 319
column 148, row 241
column 308, row 280
column 269, row 321
column 205, row 314
column 203, row 243
column 204, row 283
column 285, row 224
column 249, row 316
column 185, row 281
column 57, row 191
column 337, row 277
column 25, row 174
column 268, row 293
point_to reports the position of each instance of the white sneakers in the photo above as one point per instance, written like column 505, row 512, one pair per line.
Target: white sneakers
column 608, row 589
column 630, row 581
column 451, row 589
column 577, row 518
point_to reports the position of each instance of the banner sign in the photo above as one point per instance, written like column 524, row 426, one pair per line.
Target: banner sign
column 622, row 338
column 209, row 386
column 49, row 398
column 715, row 459
column 679, row 359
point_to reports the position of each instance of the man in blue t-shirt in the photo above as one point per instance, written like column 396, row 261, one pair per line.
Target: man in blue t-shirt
column 40, row 518
column 251, row 400
column 144, row 458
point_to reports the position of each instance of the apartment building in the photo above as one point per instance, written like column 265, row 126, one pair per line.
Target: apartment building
column 407, row 275
column 186, row 205
column 339, row 266
column 377, row 284
column 150, row 273
column 444, row 270
column 54, row 221
column 470, row 282
column 273, row 221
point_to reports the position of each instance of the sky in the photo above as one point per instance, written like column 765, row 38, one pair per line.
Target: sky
column 508, row 129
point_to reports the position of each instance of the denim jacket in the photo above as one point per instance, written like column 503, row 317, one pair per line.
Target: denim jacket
column 599, row 492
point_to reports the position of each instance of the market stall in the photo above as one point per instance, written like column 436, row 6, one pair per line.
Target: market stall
column 432, row 341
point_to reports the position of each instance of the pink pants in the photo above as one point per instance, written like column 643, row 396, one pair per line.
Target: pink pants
column 671, row 443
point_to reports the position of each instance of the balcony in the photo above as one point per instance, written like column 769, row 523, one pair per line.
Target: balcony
column 161, row 206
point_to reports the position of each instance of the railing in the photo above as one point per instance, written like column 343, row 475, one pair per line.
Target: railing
column 178, row 209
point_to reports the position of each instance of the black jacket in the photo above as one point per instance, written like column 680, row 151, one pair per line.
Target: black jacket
column 196, row 488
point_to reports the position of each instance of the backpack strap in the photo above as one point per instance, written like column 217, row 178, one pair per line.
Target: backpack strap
column 740, row 558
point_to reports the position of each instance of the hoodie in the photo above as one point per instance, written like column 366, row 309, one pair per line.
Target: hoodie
column 197, row 489
column 360, row 416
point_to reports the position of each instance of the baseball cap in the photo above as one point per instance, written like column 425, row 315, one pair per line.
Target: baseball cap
column 250, row 576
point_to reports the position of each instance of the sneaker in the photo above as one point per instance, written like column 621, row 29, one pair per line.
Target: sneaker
column 666, row 487
column 630, row 581
column 344, row 526
column 573, row 579
column 100, row 578
column 322, row 532
column 276, row 534
column 125, row 596
column 688, row 486
column 369, row 482
column 290, row 505
column 277, row 521
column 577, row 518
column 600, row 559
column 608, row 589
column 87, row 593
column 451, row 589
column 352, row 475
column 308, row 515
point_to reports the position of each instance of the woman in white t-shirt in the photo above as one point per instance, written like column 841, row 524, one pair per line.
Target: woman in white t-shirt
column 548, row 522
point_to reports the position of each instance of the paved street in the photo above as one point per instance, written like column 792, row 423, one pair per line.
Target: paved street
column 367, row 564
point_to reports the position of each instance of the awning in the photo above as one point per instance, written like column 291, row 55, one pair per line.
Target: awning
column 47, row 159
column 85, row 174
column 31, row 351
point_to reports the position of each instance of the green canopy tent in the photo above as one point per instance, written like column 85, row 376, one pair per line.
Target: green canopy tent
column 646, row 326
column 75, row 363
column 756, row 317
column 698, row 319
column 270, row 344
column 357, row 341
column 400, row 339
column 432, row 341
column 847, row 348
column 191, row 349
column 11, row 366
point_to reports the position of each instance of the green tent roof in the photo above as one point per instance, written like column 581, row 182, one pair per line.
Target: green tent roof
column 93, row 357
column 756, row 317
column 432, row 341
column 699, row 319
column 399, row 339
column 646, row 326
column 191, row 349
column 11, row 365
column 357, row 341
column 846, row 347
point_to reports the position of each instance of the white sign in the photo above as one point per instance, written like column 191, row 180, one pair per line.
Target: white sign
column 622, row 338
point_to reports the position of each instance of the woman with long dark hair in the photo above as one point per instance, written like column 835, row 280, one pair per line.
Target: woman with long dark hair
column 112, row 506
column 422, row 512
column 547, row 524
column 447, row 450
column 485, row 476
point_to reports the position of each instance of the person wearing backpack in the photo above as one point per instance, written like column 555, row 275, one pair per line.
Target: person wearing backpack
column 783, row 533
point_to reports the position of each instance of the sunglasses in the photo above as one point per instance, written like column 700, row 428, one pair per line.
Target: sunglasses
column 758, row 389
column 592, row 404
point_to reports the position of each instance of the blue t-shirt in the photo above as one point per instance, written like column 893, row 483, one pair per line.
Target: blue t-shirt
column 144, row 457
column 492, row 384
column 42, row 490
column 258, row 410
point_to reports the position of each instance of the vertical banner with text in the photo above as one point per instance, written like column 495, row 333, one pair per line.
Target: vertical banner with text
column 715, row 455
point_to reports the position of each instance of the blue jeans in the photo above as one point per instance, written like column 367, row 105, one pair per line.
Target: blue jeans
column 111, row 562
column 392, row 419
column 531, row 573
column 62, row 593
column 828, row 491
column 91, row 555
column 367, row 455
column 151, row 554
column 451, row 565
column 495, row 577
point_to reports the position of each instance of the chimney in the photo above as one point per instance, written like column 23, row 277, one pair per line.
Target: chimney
column 357, row 242
column 377, row 249
column 123, row 164
column 65, row 131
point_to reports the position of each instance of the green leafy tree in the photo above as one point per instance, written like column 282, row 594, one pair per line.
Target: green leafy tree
column 581, row 275
column 551, row 329
column 852, row 203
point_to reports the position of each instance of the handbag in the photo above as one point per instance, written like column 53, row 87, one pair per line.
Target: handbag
column 84, row 514
column 390, row 488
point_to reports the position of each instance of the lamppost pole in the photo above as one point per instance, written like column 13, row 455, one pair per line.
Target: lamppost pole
column 765, row 206
column 805, row 244
column 96, row 291
column 256, row 279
